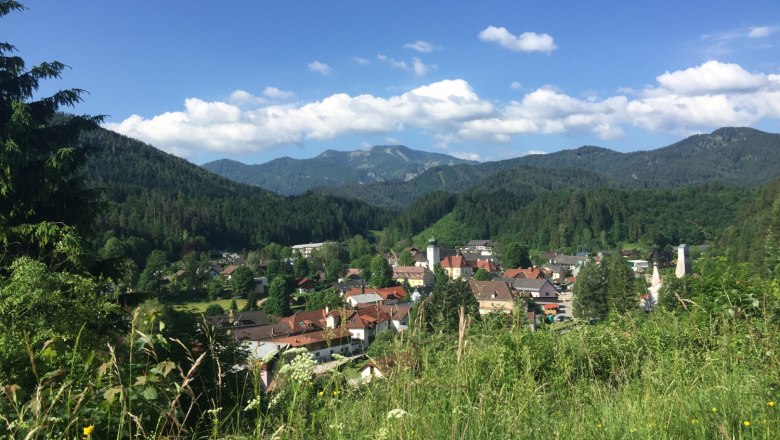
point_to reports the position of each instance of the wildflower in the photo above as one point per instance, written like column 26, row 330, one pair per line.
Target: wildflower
column 320, row 393
column 714, row 409
column 771, row 403
column 397, row 413
column 599, row 426
column 336, row 393
column 88, row 430
column 694, row 421
column 632, row 430
column 252, row 404
column 746, row 423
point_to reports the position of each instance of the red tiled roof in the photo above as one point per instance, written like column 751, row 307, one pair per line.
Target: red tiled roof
column 487, row 265
column 454, row 261
column 230, row 269
column 314, row 337
column 530, row 273
column 550, row 306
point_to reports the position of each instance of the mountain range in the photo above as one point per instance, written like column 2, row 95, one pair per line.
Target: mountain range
column 689, row 191
column 734, row 156
column 333, row 168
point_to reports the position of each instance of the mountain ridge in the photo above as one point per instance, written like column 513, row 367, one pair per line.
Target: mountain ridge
column 729, row 155
column 288, row 176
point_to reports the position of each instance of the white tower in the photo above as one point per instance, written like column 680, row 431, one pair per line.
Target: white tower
column 655, row 287
column 683, row 262
column 433, row 256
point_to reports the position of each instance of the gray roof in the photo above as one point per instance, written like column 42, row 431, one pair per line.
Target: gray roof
column 526, row 284
column 366, row 298
column 568, row 260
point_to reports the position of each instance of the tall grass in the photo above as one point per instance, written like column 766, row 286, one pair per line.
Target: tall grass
column 638, row 376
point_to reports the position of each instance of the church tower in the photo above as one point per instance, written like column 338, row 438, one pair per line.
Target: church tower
column 434, row 256
column 683, row 262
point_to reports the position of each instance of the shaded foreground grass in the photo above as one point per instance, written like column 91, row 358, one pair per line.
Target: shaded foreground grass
column 658, row 376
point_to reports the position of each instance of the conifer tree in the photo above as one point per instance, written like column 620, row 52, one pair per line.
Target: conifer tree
column 590, row 292
column 278, row 302
column 620, row 286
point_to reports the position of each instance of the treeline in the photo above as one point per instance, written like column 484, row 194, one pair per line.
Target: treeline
column 601, row 218
column 754, row 236
column 168, row 201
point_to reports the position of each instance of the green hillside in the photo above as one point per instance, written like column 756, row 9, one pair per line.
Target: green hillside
column 162, row 198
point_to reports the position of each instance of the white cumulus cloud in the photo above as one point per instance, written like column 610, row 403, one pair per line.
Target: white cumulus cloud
column 525, row 42
column 420, row 46
column 515, row 85
column 711, row 77
column 321, row 68
column 274, row 93
column 699, row 98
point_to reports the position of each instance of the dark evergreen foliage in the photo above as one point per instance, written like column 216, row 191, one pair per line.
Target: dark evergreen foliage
column 169, row 202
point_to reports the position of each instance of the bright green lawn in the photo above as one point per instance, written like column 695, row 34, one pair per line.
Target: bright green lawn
column 202, row 305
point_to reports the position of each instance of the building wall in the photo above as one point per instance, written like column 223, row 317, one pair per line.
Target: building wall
column 489, row 305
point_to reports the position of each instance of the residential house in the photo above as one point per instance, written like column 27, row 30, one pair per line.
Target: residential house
column 316, row 330
column 214, row 270
column 240, row 319
column 554, row 272
column 364, row 299
column 228, row 271
column 399, row 315
column 540, row 290
column 307, row 250
column 304, row 285
column 416, row 276
column 482, row 247
column 530, row 273
column 493, row 296
column 571, row 263
column 456, row 267
column 639, row 265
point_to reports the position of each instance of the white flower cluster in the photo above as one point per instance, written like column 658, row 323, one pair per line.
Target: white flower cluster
column 299, row 369
column 253, row 404
column 397, row 413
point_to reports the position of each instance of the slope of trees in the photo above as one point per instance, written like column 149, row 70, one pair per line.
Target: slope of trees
column 168, row 201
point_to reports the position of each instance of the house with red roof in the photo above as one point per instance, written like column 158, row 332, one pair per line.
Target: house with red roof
column 456, row 267
column 530, row 273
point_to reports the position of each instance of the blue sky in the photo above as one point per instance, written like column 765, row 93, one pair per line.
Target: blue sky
column 255, row 80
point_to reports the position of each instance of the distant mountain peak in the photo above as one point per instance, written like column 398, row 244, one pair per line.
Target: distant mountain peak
column 379, row 163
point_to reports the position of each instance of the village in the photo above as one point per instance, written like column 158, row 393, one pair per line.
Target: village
column 544, row 294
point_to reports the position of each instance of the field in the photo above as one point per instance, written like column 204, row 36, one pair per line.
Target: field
column 201, row 306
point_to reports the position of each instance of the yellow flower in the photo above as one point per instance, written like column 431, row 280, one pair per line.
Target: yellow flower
column 771, row 403
column 714, row 409
column 632, row 430
column 88, row 430
column 694, row 421
column 335, row 394
column 320, row 393
column 599, row 426
column 746, row 423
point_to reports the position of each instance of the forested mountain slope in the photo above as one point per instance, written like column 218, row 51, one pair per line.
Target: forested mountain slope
column 732, row 156
column 333, row 168
column 162, row 198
